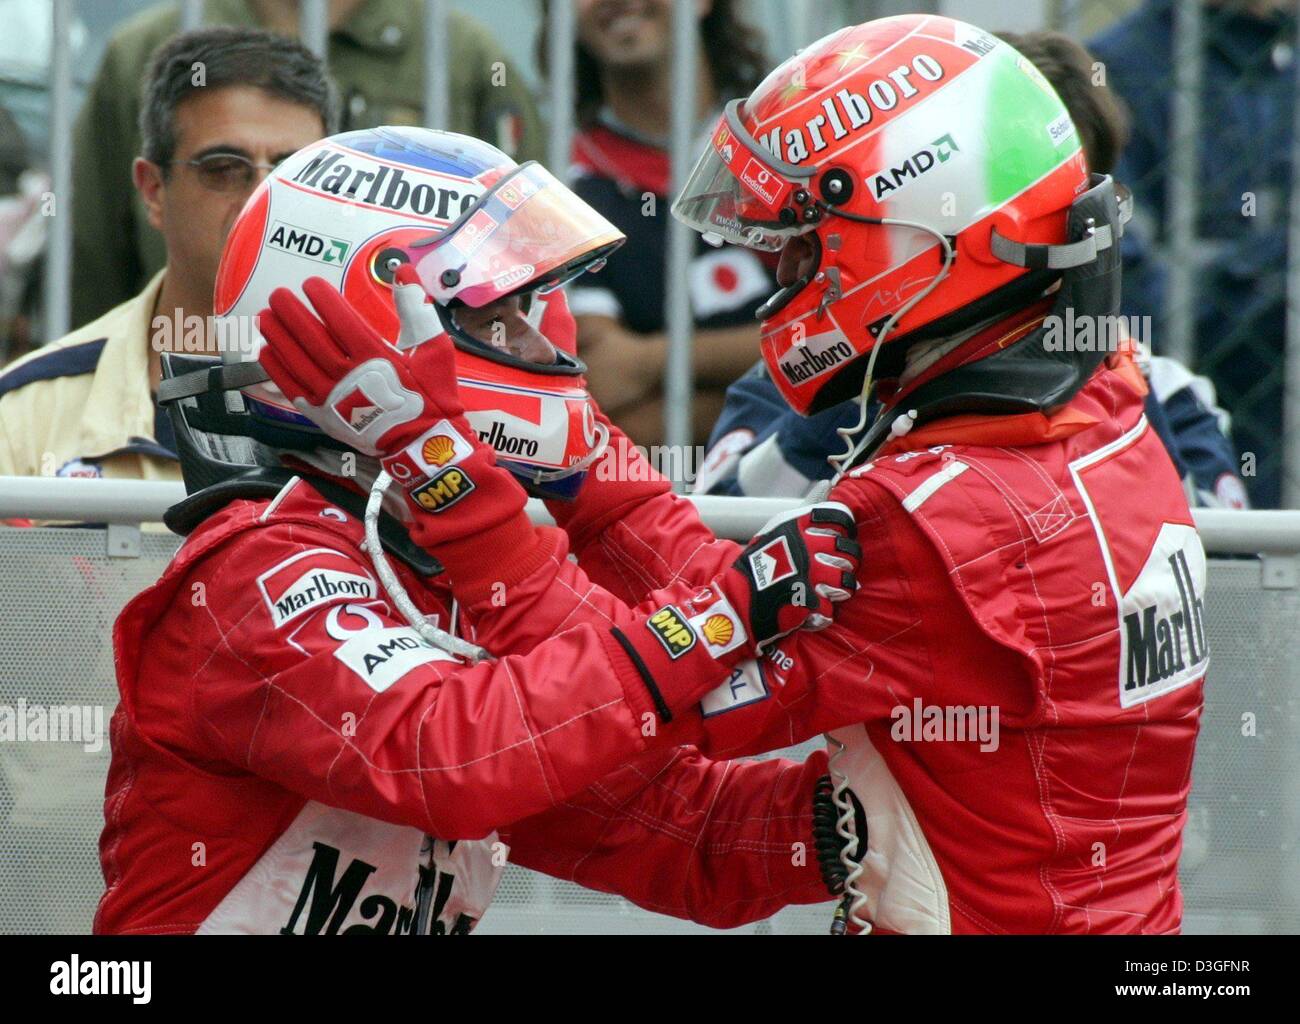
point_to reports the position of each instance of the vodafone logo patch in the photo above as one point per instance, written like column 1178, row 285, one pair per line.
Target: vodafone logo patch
column 762, row 183
column 771, row 563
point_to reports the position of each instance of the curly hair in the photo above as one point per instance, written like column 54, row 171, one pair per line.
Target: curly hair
column 733, row 48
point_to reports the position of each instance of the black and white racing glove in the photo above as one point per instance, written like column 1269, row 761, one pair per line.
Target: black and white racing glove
column 797, row 566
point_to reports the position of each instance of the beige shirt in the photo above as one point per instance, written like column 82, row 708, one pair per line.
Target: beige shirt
column 81, row 406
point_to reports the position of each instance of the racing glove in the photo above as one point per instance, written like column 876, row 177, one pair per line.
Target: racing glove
column 787, row 578
column 401, row 405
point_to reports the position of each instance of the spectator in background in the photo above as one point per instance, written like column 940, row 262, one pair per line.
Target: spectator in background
column 83, row 405
column 1243, row 188
column 623, row 100
column 762, row 448
column 22, row 239
column 376, row 55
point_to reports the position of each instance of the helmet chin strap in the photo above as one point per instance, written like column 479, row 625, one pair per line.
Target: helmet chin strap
column 843, row 462
column 430, row 633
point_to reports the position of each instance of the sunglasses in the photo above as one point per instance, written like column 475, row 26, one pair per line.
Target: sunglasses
column 226, row 172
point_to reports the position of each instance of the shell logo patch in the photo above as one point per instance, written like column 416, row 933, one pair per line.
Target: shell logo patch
column 672, row 630
column 440, row 447
column 438, row 450
column 718, row 630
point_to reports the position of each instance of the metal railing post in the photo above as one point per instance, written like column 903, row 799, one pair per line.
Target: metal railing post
column 1181, row 184
column 191, row 15
column 314, row 26
column 66, row 499
column 437, row 70
column 560, row 35
column 1291, row 363
column 58, row 257
column 679, row 370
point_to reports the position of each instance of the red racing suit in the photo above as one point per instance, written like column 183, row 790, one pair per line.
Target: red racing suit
column 288, row 755
column 1017, row 682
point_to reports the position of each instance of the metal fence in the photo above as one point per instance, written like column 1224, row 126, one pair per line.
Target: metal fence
column 64, row 588
column 1214, row 163
column 1219, row 285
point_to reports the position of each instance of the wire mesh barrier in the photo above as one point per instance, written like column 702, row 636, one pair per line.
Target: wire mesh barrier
column 63, row 590
column 1210, row 90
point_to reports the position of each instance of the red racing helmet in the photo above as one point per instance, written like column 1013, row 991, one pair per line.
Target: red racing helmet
column 478, row 228
column 901, row 149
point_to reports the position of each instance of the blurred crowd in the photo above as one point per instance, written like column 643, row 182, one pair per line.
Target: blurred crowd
column 160, row 171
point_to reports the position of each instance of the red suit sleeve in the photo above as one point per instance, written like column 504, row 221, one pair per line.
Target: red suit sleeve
column 808, row 683
column 337, row 699
column 631, row 533
column 719, row 843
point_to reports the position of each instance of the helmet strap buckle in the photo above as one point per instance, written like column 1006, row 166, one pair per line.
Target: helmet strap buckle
column 833, row 291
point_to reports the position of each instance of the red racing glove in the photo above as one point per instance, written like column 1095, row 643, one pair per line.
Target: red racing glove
column 401, row 404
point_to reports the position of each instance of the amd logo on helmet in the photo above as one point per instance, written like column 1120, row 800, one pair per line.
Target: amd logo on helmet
column 337, row 174
column 940, row 151
column 816, row 356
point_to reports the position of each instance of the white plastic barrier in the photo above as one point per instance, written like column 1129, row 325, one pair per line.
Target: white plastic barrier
column 63, row 589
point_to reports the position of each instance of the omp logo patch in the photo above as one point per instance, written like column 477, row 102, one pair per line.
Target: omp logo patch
column 310, row 580
column 771, row 563
column 673, row 631
column 307, row 244
column 443, row 490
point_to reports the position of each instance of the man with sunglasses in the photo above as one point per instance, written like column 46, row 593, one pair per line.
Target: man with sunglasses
column 221, row 107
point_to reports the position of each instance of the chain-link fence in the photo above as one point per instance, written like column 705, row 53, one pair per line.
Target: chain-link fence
column 1241, row 860
column 1210, row 89
column 1211, row 93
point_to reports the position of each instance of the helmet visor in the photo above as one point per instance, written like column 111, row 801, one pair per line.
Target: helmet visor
column 739, row 192
column 527, row 231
